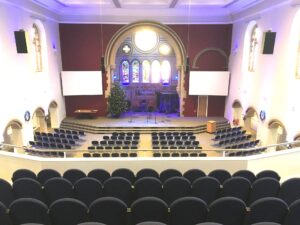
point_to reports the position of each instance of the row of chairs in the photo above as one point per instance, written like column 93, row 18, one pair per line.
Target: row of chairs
column 228, row 130
column 175, row 133
column 246, row 152
column 249, row 144
column 56, row 135
column 177, row 154
column 115, row 143
column 121, row 133
column 175, row 143
column 175, row 138
column 229, row 135
column 109, row 154
column 46, row 145
column 66, row 131
column 186, row 210
column 118, row 147
column 234, row 140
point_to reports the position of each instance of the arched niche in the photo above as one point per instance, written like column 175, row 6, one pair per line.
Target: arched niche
column 52, row 118
column 297, row 138
column 251, row 121
column 205, row 55
column 12, row 134
column 276, row 133
column 39, row 120
column 171, row 37
column 237, row 111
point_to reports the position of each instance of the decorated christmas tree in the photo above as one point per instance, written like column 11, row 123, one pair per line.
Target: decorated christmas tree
column 117, row 103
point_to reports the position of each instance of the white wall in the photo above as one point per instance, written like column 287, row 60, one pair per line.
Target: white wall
column 21, row 88
column 273, row 86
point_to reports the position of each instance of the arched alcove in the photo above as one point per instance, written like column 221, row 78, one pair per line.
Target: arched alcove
column 52, row 118
column 237, row 113
column 12, row 134
column 276, row 132
column 171, row 38
column 205, row 54
column 39, row 120
column 251, row 121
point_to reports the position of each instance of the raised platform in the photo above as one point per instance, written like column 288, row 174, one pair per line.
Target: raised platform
column 142, row 122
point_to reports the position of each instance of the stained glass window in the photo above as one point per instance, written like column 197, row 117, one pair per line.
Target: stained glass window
column 165, row 72
column 125, row 72
column 37, row 47
column 146, row 71
column 253, row 49
column 135, row 71
column 155, row 71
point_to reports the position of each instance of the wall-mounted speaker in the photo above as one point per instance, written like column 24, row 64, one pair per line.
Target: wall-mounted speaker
column 187, row 66
column 20, row 37
column 269, row 42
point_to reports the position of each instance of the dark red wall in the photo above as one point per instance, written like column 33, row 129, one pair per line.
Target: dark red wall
column 81, row 48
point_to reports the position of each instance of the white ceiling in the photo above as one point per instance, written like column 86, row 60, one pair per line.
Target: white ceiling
column 167, row 11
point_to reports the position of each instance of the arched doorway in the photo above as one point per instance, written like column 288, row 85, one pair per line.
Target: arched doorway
column 39, row 120
column 237, row 113
column 171, row 38
column 251, row 121
column 12, row 135
column 52, row 118
column 297, row 138
column 277, row 133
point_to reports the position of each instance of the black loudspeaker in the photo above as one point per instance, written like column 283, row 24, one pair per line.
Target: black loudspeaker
column 187, row 68
column 21, row 44
column 102, row 65
column 269, row 42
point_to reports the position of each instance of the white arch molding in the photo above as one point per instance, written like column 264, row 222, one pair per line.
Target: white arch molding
column 173, row 40
column 13, row 134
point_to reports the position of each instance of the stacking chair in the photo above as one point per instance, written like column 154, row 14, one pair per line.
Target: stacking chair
column 246, row 174
column 168, row 173
column 6, row 193
column 125, row 173
column 227, row 211
column 268, row 209
column 87, row 189
column 73, row 175
column 193, row 174
column 238, row 187
column 148, row 186
column 147, row 172
column 176, row 187
column 28, row 188
column 220, row 174
column 57, row 188
column 99, row 174
column 68, row 211
column 28, row 210
column 289, row 191
column 293, row 216
column 108, row 210
column 4, row 218
column 149, row 209
column 21, row 173
column 188, row 211
column 268, row 173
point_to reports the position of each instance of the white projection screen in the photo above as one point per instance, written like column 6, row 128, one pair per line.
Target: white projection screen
column 209, row 83
column 81, row 83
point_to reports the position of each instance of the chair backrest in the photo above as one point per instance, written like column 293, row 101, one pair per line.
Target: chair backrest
column 207, row 188
column 151, row 223
column 267, row 209
column 87, row 189
column 193, row 174
column 188, row 211
column 91, row 223
column 289, row 190
column 148, row 186
column 21, row 173
column 175, row 188
column 149, row 209
column 268, row 173
column 220, row 174
column 46, row 174
column 293, row 216
column 264, row 187
column 168, row 173
column 238, row 187
column 108, row 210
column 147, row 172
column 208, row 223
column 4, row 218
column 100, row 174
column 28, row 210
column 28, row 188
column 125, row 173
column 68, row 211
column 246, row 174
column 57, row 188
column 227, row 211
column 266, row 223
column 73, row 175
column 6, row 193
column 120, row 188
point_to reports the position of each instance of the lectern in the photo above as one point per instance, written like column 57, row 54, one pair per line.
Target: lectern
column 211, row 126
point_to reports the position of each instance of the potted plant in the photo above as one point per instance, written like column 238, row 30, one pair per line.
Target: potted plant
column 117, row 103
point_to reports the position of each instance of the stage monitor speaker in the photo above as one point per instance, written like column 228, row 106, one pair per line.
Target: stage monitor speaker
column 187, row 67
column 20, row 37
column 269, row 42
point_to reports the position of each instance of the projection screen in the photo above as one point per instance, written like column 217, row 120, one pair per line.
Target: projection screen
column 81, row 83
column 209, row 83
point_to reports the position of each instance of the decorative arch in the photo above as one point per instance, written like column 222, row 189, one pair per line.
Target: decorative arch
column 52, row 118
column 250, row 112
column 251, row 121
column 237, row 113
column 236, row 104
column 12, row 134
column 206, row 50
column 171, row 37
column 277, row 132
column 39, row 120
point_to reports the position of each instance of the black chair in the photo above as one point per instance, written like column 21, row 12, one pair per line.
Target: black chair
column 193, row 174
column 28, row 210
column 220, row 174
column 175, row 188
column 148, row 186
column 108, row 210
column 4, row 218
column 147, row 172
column 125, row 173
column 73, row 175
column 206, row 188
column 120, row 188
column 238, row 187
column 268, row 173
column 168, row 173
column 87, row 189
column 264, row 187
column 91, row 223
column 266, row 223
column 267, row 209
column 21, row 173
column 289, row 191
column 151, row 223
column 208, row 223
column 246, row 174
column 227, row 211
column 100, row 174
column 46, row 174
column 68, row 211
column 57, row 188
column 28, row 188
column 149, row 209
column 293, row 216
column 6, row 193
column 188, row 211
